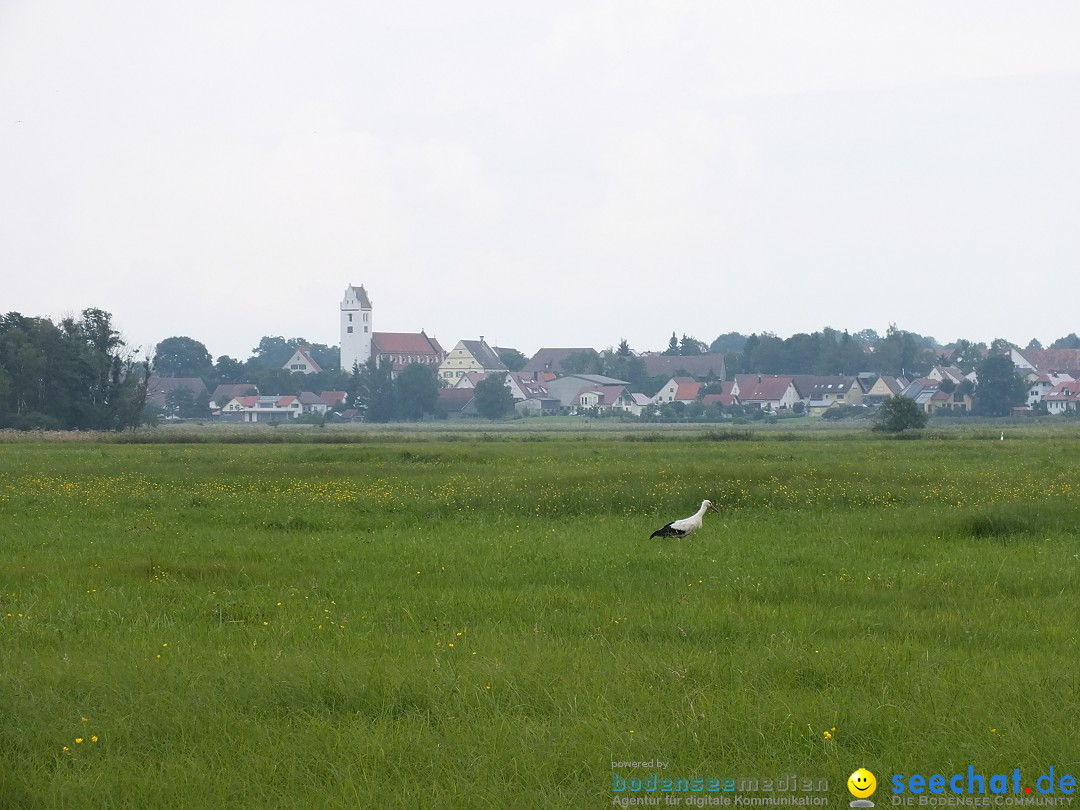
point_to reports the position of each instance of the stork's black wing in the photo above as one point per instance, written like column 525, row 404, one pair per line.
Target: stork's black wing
column 667, row 531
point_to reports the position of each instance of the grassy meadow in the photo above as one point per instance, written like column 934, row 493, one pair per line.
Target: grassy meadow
column 441, row 621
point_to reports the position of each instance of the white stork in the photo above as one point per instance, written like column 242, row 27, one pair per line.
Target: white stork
column 681, row 528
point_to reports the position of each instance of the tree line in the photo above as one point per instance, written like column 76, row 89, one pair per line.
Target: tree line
column 77, row 374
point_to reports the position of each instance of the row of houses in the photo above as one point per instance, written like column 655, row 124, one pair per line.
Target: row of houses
column 541, row 388
column 1052, row 376
column 543, row 392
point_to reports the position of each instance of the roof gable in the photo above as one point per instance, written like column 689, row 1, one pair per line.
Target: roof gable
column 302, row 356
column 359, row 294
column 484, row 355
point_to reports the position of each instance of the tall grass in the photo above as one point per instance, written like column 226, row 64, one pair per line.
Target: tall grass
column 452, row 623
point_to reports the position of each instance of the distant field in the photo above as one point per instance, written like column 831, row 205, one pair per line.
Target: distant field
column 452, row 620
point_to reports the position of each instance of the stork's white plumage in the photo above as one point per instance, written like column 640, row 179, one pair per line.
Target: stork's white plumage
column 681, row 528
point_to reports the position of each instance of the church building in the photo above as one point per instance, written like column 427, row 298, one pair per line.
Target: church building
column 360, row 342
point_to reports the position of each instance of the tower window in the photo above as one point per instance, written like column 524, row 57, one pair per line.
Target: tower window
column 349, row 329
column 350, row 317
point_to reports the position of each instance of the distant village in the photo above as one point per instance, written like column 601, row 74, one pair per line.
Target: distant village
column 548, row 384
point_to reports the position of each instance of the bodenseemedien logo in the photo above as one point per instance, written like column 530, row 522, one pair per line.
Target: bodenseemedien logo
column 862, row 785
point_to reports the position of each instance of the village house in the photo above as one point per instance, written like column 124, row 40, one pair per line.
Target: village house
column 526, row 386
column 470, row 355
column 1064, row 398
column 951, row 373
column 819, row 393
column 264, row 408
column 678, row 389
column 1043, row 384
column 302, row 362
column 568, row 389
column 311, row 403
column 767, row 392
column 922, row 391
column 227, row 391
column 885, row 387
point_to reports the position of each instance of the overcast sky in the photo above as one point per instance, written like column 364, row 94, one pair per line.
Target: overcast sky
column 542, row 173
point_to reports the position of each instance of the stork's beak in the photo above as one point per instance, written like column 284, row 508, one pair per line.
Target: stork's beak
column 713, row 508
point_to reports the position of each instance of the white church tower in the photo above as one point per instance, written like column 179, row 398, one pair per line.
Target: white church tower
column 355, row 328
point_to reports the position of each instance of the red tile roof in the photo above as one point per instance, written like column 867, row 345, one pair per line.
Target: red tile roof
column 687, row 391
column 333, row 398
column 412, row 343
column 1046, row 360
column 754, row 387
column 723, row 399
column 1064, row 392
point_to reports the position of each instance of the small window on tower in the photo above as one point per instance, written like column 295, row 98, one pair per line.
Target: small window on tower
column 350, row 317
column 365, row 328
column 349, row 329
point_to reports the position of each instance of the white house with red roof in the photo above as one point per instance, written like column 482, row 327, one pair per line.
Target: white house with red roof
column 264, row 408
column 769, row 392
column 525, row 386
column 1043, row 384
column 227, row 391
column 302, row 362
column 608, row 398
column 678, row 389
column 1064, row 398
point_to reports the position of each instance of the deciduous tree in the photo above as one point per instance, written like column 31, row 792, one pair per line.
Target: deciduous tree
column 898, row 414
column 512, row 359
column 416, row 391
column 182, row 357
column 999, row 386
column 493, row 398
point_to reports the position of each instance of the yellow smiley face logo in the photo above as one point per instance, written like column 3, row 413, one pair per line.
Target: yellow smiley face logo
column 862, row 784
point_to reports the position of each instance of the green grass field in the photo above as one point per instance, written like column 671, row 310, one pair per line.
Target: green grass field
column 439, row 622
